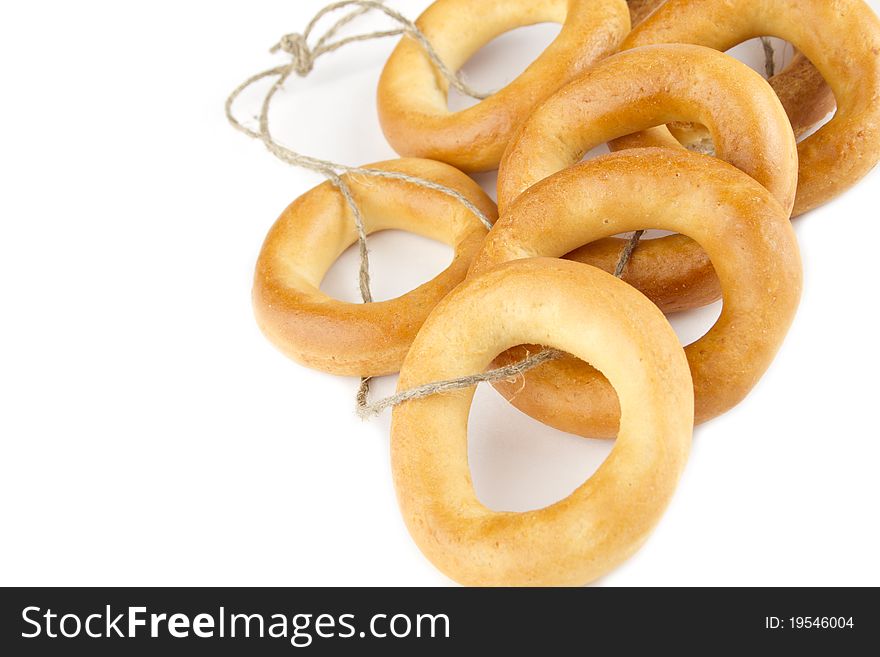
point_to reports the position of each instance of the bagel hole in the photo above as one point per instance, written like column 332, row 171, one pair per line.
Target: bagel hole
column 649, row 234
column 399, row 262
column 752, row 54
column 691, row 325
column 488, row 180
column 593, row 153
column 502, row 60
column 815, row 128
column 519, row 464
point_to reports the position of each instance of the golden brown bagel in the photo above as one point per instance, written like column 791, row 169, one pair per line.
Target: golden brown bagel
column 579, row 309
column 841, row 39
column 804, row 94
column 646, row 87
column 412, row 95
column 353, row 338
column 657, row 272
column 740, row 225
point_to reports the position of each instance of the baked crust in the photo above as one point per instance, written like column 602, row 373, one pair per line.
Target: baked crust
column 579, row 309
column 359, row 339
column 740, row 225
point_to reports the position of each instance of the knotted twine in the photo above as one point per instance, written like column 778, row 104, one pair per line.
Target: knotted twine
column 302, row 62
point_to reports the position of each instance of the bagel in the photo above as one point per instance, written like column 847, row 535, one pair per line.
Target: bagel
column 743, row 229
column 840, row 38
column 353, row 338
column 412, row 95
column 804, row 94
column 647, row 87
column 579, row 309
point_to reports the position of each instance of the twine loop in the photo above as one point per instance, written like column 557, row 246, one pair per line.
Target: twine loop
column 302, row 57
column 302, row 62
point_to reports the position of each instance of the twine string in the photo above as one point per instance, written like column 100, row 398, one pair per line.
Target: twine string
column 769, row 60
column 507, row 373
column 302, row 62
column 701, row 147
column 366, row 409
column 516, row 370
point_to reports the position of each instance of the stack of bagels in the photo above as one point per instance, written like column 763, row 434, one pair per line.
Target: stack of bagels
column 651, row 79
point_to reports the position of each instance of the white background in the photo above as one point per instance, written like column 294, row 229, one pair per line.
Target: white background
column 152, row 436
